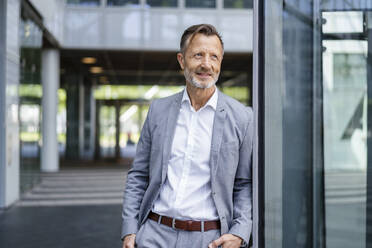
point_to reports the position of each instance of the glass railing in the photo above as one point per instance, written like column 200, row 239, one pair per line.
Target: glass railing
column 228, row 4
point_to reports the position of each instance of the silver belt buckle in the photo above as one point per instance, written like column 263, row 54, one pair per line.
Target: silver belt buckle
column 174, row 223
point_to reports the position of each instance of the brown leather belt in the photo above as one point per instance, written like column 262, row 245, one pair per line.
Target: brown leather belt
column 186, row 225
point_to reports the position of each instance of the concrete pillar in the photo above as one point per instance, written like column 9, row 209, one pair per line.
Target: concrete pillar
column 50, row 82
column 81, row 120
column 9, row 81
column 117, row 134
column 89, row 124
column 97, row 146
column 81, row 124
column 92, row 122
column 72, row 109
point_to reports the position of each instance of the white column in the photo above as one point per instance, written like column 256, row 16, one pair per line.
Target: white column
column 81, row 117
column 92, row 124
column 50, row 81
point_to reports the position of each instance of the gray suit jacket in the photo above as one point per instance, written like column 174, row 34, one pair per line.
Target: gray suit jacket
column 230, row 161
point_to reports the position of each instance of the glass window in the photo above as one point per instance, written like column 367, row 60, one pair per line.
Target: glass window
column 84, row 2
column 30, row 37
column 122, row 2
column 345, row 97
column 238, row 4
column 200, row 3
column 107, row 130
column 162, row 3
column 317, row 124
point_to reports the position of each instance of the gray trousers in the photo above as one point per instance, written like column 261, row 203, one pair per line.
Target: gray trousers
column 151, row 235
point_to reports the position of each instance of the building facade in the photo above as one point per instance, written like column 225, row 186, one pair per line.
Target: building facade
column 59, row 58
column 304, row 66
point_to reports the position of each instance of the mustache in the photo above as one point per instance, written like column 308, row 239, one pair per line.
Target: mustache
column 203, row 71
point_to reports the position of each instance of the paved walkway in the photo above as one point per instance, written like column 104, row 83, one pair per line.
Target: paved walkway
column 73, row 208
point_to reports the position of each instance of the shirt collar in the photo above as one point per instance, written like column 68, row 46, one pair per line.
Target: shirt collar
column 211, row 102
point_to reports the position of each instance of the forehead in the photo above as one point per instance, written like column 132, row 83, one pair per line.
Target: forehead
column 204, row 42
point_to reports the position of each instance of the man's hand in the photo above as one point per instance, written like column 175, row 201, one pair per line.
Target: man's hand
column 226, row 241
column 129, row 241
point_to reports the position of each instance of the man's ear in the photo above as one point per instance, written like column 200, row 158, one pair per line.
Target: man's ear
column 181, row 60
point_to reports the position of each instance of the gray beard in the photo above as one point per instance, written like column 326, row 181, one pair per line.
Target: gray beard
column 195, row 83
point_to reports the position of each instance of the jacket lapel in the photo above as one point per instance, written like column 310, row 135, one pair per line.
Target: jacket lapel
column 169, row 132
column 218, row 124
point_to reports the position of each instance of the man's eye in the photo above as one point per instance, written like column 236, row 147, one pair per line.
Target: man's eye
column 198, row 55
column 215, row 57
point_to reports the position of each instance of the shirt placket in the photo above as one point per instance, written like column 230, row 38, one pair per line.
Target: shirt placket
column 187, row 159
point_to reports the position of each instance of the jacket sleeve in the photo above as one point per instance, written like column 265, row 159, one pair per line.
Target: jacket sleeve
column 137, row 181
column 242, row 192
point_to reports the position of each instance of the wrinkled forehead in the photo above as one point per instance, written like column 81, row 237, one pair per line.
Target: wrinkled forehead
column 204, row 42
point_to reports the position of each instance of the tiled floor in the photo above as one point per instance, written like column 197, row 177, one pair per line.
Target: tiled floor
column 75, row 208
column 61, row 227
column 72, row 187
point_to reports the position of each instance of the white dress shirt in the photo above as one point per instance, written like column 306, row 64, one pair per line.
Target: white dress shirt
column 186, row 192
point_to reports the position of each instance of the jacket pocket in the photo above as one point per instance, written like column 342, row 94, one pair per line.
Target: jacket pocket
column 229, row 157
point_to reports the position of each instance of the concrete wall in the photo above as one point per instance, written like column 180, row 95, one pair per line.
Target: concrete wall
column 9, row 80
column 151, row 29
column 52, row 12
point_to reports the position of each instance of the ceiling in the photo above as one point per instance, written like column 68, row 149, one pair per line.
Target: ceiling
column 146, row 68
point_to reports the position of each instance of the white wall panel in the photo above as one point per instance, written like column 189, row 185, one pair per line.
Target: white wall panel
column 151, row 29
column 52, row 12
column 9, row 80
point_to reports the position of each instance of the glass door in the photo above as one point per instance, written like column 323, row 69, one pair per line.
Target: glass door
column 346, row 82
column 314, row 96
column 107, row 134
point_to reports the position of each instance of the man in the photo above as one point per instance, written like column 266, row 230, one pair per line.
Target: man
column 190, row 184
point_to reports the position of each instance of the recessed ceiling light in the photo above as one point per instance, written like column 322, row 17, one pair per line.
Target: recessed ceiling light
column 96, row 69
column 88, row 60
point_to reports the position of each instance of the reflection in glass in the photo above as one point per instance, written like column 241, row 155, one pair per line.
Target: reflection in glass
column 29, row 103
column 200, row 3
column 122, row 2
column 296, row 125
column 84, row 2
column 318, row 168
column 343, row 22
column 29, row 145
column 345, row 130
column 238, row 4
column 162, row 3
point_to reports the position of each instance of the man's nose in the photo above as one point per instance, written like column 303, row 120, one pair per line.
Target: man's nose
column 206, row 63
